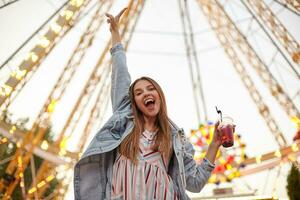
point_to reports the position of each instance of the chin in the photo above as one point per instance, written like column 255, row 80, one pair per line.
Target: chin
column 151, row 114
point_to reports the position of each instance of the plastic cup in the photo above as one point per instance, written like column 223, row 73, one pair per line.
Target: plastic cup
column 226, row 128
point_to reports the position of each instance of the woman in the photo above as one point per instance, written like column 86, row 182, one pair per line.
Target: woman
column 139, row 153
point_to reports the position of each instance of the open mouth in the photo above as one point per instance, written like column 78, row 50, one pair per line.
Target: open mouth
column 149, row 103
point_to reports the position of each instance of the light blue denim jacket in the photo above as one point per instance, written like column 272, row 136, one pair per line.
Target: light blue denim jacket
column 93, row 172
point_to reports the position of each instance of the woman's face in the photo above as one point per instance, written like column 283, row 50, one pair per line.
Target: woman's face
column 146, row 98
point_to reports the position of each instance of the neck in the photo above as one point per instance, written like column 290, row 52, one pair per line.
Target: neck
column 150, row 123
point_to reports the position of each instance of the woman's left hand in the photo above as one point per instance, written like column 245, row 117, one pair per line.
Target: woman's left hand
column 216, row 140
column 217, row 137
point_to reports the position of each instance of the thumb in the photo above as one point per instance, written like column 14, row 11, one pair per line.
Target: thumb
column 217, row 124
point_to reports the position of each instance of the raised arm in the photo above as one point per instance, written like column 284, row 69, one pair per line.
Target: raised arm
column 120, row 77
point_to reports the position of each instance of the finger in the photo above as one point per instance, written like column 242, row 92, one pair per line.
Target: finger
column 217, row 125
column 121, row 12
column 108, row 15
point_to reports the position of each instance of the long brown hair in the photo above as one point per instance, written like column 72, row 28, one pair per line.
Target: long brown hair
column 130, row 145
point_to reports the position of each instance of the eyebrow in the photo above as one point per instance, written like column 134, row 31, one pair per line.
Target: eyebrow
column 139, row 89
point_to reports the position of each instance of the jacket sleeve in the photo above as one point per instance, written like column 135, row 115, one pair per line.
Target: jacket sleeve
column 196, row 175
column 120, row 77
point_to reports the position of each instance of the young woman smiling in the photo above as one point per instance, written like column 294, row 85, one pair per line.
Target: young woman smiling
column 139, row 153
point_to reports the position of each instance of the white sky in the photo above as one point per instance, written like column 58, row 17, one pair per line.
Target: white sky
column 161, row 55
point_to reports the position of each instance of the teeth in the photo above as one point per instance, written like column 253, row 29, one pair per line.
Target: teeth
column 148, row 100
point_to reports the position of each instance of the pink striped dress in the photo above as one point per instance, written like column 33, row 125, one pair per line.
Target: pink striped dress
column 148, row 180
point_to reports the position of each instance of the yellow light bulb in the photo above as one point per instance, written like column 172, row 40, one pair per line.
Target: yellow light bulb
column 41, row 184
column 292, row 158
column 76, row 3
column 32, row 190
column 229, row 167
column 277, row 154
column 21, row 184
column 50, row 178
column 18, row 74
column 44, row 42
column 51, row 106
column 68, row 14
column 12, row 129
column 296, row 121
column 258, row 159
column 20, row 161
column 295, row 147
column 44, row 145
column 34, row 57
column 5, row 90
column 55, row 28
column 18, row 144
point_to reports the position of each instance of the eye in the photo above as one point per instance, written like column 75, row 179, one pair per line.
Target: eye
column 151, row 88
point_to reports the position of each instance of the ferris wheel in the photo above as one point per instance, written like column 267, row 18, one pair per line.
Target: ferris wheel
column 69, row 53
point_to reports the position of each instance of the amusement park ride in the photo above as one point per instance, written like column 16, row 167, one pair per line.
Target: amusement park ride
column 29, row 143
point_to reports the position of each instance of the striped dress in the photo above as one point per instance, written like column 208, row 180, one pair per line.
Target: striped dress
column 148, row 180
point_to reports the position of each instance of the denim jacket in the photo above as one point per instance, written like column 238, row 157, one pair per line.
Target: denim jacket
column 93, row 172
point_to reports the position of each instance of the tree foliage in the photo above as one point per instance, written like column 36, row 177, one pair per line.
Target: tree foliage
column 293, row 186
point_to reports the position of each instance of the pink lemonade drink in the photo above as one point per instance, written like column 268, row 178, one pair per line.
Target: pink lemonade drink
column 226, row 127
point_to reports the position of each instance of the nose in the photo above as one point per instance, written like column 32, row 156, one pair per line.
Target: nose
column 146, row 94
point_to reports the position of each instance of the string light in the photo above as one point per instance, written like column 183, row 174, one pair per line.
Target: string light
column 32, row 56
column 50, row 178
column 21, row 184
column 67, row 14
column 296, row 121
column 55, row 28
column 19, row 161
column 79, row 155
column 5, row 90
column 44, row 42
column 51, row 106
column 44, row 145
column 62, row 152
column 18, row 74
column 76, row 3
column 277, row 154
column 41, row 184
column 295, row 147
column 292, row 157
column 258, row 159
column 12, row 129
column 32, row 190
column 18, row 144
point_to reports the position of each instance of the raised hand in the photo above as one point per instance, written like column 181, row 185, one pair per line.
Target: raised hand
column 114, row 21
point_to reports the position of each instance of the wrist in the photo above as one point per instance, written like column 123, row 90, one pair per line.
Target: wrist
column 214, row 145
column 115, row 39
